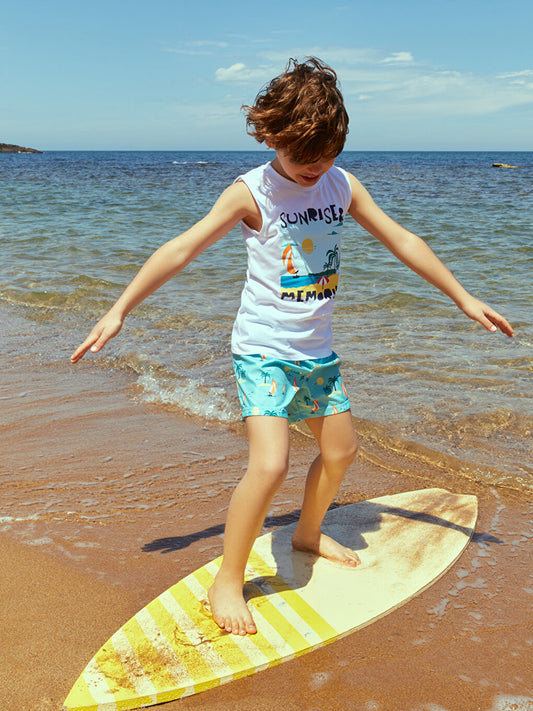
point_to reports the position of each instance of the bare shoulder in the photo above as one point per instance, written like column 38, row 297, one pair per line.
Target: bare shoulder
column 361, row 198
column 368, row 214
column 357, row 187
column 238, row 200
column 238, row 195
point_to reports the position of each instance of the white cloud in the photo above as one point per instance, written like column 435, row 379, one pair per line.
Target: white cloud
column 514, row 75
column 398, row 58
column 209, row 43
column 432, row 84
column 453, row 94
column 240, row 73
column 523, row 79
column 397, row 83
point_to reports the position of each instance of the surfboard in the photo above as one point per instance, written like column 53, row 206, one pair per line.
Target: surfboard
column 172, row 648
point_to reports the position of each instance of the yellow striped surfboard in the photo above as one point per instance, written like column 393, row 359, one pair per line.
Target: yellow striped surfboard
column 172, row 648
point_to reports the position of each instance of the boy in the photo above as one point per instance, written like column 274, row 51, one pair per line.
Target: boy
column 291, row 213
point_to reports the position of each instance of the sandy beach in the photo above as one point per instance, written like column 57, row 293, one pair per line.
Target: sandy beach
column 107, row 501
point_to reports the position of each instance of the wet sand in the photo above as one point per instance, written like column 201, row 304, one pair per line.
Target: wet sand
column 106, row 502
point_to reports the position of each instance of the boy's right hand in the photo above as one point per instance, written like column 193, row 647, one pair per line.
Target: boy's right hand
column 105, row 329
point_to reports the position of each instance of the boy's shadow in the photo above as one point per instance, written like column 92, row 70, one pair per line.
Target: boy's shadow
column 294, row 569
column 178, row 543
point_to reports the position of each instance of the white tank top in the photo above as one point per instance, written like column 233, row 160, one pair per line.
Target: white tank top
column 293, row 265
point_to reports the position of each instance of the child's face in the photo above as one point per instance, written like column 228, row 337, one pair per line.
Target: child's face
column 307, row 174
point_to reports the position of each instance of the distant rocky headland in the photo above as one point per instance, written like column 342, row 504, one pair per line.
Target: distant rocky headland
column 9, row 148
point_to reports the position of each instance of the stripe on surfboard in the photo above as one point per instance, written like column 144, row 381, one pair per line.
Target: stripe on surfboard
column 120, row 689
column 233, row 656
column 198, row 654
column 309, row 616
column 193, row 665
column 132, row 666
column 303, row 609
column 281, row 618
column 89, row 687
column 181, row 678
column 151, row 658
column 258, row 650
column 267, row 640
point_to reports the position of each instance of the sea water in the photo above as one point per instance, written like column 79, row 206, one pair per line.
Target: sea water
column 76, row 226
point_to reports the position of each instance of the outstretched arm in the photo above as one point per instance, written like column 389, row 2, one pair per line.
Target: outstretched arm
column 235, row 204
column 418, row 256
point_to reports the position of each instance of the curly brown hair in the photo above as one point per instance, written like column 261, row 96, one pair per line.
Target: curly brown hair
column 301, row 112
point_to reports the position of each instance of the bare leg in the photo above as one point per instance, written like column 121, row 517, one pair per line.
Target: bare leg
column 338, row 445
column 267, row 468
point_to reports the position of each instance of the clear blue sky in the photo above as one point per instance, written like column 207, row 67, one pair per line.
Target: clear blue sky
column 173, row 74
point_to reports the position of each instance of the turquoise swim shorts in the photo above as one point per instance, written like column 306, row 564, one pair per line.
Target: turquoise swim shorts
column 294, row 389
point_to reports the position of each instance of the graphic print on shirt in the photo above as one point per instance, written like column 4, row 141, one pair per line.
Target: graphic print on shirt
column 310, row 253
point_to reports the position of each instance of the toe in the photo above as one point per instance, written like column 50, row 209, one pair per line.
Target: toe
column 236, row 626
column 226, row 624
column 220, row 622
column 354, row 558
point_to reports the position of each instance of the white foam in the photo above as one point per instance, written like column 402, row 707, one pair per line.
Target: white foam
column 318, row 680
column 440, row 608
column 503, row 702
column 189, row 395
column 12, row 519
column 45, row 540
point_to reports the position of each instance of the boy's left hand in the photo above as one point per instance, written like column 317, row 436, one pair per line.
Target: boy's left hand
column 487, row 317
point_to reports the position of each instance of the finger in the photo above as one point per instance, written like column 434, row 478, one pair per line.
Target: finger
column 89, row 342
column 100, row 342
column 80, row 351
column 497, row 321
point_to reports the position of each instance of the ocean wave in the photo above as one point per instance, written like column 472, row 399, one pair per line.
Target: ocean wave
column 394, row 454
column 190, row 396
column 379, row 447
column 194, row 162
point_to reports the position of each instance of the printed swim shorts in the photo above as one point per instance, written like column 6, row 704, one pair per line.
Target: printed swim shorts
column 294, row 389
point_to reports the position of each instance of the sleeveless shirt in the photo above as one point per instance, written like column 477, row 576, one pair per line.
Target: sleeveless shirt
column 293, row 265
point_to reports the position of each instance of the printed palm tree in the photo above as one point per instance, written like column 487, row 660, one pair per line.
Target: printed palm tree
column 333, row 259
column 330, row 386
column 240, row 373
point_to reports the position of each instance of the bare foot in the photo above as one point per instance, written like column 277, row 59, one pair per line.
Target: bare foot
column 229, row 608
column 326, row 547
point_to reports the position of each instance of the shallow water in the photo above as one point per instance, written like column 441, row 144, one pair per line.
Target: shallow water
column 75, row 227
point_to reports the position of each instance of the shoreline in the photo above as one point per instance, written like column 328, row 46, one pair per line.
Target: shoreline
column 107, row 502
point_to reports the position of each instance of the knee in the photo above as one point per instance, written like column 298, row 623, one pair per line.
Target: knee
column 351, row 450
column 341, row 454
column 270, row 472
column 275, row 470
